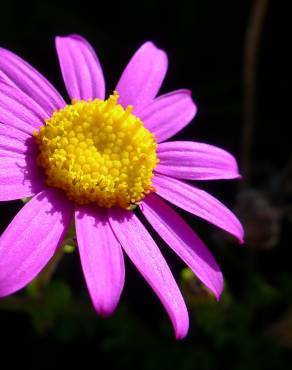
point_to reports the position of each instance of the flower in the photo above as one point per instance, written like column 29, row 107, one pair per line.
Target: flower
column 99, row 160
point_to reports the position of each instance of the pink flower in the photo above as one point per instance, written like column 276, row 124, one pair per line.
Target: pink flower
column 57, row 167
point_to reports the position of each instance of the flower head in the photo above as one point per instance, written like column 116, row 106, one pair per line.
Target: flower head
column 98, row 160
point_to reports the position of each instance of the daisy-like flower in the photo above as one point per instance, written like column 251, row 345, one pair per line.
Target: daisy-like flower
column 98, row 160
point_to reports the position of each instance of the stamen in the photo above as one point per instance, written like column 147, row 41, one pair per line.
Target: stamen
column 98, row 152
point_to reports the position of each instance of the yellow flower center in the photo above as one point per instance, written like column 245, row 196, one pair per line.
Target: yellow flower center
column 98, row 152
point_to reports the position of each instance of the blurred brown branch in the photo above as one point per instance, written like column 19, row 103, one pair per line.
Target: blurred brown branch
column 251, row 47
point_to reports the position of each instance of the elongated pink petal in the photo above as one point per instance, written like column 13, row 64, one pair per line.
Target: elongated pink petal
column 19, row 178
column 19, row 111
column 184, row 241
column 198, row 202
column 101, row 258
column 4, row 153
column 148, row 259
column 32, row 238
column 80, row 68
column 143, row 76
column 23, row 76
column 195, row 161
column 13, row 140
column 168, row 114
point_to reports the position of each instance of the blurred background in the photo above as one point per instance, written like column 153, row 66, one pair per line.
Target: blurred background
column 233, row 55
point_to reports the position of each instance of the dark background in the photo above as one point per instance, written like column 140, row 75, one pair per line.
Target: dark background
column 251, row 327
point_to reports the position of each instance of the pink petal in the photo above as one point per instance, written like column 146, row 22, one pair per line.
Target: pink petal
column 148, row 259
column 18, row 110
column 32, row 238
column 24, row 77
column 143, row 76
column 4, row 153
column 101, row 258
column 19, row 178
column 199, row 203
column 13, row 140
column 80, row 68
column 168, row 114
column 195, row 161
column 184, row 241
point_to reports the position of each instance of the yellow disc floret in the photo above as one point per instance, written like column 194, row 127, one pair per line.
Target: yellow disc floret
column 98, row 152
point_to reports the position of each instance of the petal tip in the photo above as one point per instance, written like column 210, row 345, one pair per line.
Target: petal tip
column 181, row 323
column 71, row 35
column 241, row 241
column 181, row 333
column 241, row 234
column 218, row 293
column 217, row 286
column 217, row 297
column 152, row 45
column 193, row 108
column 104, row 310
